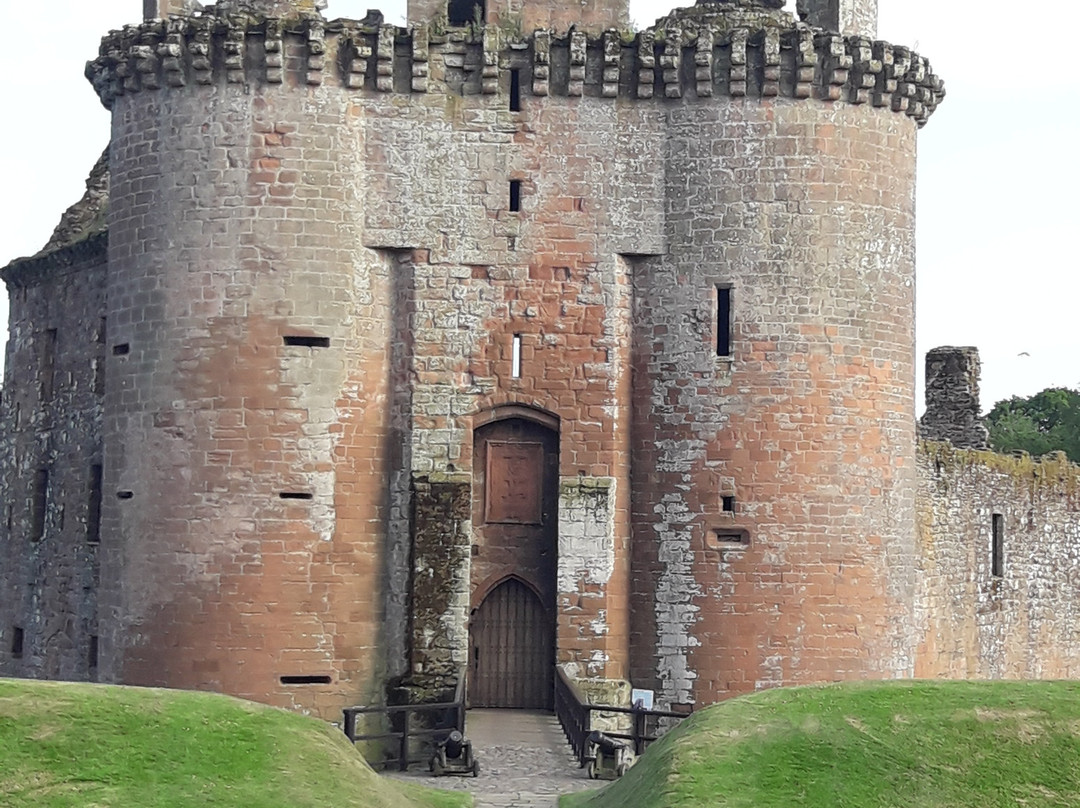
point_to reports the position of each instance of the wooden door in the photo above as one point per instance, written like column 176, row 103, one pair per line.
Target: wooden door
column 512, row 654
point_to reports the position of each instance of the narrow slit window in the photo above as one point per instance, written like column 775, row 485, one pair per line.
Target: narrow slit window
column 125, row 495
column 307, row 342
column 93, row 509
column 47, row 364
column 305, row 680
column 515, row 196
column 723, row 321
column 998, row 549
column 39, row 504
column 515, row 358
column 515, row 90
column 123, row 349
column 303, row 495
column 729, row 504
column 92, row 654
column 17, row 638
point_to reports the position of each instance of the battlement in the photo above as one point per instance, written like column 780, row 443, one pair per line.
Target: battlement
column 687, row 56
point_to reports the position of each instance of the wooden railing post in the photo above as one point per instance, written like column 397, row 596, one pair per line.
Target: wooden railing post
column 403, row 753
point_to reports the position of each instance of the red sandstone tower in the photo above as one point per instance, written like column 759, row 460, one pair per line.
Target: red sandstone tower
column 507, row 341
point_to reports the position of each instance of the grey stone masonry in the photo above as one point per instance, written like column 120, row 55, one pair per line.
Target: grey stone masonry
column 757, row 53
column 952, row 398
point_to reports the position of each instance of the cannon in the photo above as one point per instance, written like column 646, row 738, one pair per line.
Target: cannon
column 454, row 755
column 606, row 758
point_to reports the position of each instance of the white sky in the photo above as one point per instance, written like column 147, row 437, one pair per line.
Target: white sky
column 998, row 167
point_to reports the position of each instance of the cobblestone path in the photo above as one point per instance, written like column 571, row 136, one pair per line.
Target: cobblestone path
column 525, row 761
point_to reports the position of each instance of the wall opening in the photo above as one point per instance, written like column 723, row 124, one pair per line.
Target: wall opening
column 92, row 654
column 296, row 495
column 307, row 342
column 515, row 357
column 998, row 547
column 465, row 12
column 723, row 321
column 729, row 504
column 726, row 538
column 39, row 504
column 123, row 349
column 515, row 90
column 125, row 495
column 93, row 508
column 17, row 642
column 515, row 196
column 305, row 680
column 47, row 364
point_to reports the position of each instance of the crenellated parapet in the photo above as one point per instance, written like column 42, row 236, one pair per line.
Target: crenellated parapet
column 734, row 53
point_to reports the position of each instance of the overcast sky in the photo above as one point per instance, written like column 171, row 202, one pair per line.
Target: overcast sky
column 999, row 176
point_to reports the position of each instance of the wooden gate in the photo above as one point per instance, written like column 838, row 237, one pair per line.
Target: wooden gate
column 512, row 650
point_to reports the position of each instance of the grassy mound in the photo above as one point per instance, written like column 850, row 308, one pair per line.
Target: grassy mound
column 93, row 746
column 911, row 744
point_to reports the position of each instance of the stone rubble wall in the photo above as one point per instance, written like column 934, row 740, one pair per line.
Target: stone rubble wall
column 50, row 582
column 1024, row 624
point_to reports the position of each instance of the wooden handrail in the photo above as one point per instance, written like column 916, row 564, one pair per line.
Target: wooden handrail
column 406, row 712
column 574, row 712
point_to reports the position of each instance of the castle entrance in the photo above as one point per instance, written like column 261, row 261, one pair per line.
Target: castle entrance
column 515, row 557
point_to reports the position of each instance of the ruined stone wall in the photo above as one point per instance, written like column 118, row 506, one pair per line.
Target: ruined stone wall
column 1018, row 618
column 50, row 445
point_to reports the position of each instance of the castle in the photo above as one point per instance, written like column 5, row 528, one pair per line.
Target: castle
column 509, row 340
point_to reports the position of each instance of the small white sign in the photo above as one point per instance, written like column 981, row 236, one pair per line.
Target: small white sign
column 642, row 699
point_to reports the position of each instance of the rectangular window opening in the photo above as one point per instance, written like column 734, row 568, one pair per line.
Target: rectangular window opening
column 39, row 505
column 47, row 364
column 729, row 504
column 723, row 321
column 515, row 358
column 515, row 196
column 726, row 538
column 93, row 510
column 305, row 680
column 296, row 495
column 515, row 90
column 17, row 642
column 125, row 495
column 123, row 349
column 92, row 653
column 295, row 341
column 998, row 550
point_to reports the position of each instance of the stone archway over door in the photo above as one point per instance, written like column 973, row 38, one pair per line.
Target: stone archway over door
column 512, row 651
column 514, row 563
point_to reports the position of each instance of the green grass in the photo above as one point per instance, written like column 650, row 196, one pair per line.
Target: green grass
column 92, row 746
column 882, row 745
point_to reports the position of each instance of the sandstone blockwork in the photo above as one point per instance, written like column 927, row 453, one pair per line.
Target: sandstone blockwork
column 511, row 324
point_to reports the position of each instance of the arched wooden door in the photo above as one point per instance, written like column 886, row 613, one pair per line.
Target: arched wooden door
column 512, row 664
column 514, row 563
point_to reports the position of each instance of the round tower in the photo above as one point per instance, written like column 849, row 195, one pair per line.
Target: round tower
column 774, row 360
column 245, row 426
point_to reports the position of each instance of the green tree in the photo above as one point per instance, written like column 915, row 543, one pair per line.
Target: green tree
column 1046, row 422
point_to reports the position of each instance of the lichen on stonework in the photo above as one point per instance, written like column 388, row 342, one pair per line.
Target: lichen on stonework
column 722, row 15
